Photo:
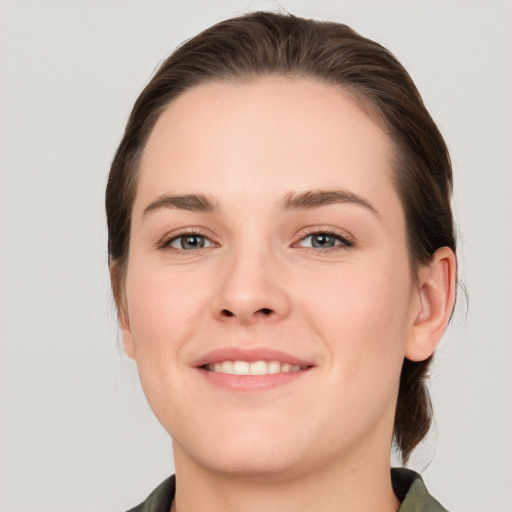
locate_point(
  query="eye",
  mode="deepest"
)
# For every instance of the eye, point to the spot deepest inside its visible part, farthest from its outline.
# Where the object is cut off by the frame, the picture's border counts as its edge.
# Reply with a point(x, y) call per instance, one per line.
point(324, 240)
point(189, 242)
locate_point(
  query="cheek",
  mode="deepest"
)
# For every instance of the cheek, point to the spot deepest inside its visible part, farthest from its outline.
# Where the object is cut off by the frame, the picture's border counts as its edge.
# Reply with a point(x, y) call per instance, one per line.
point(166, 311)
point(358, 314)
point(362, 314)
point(165, 307)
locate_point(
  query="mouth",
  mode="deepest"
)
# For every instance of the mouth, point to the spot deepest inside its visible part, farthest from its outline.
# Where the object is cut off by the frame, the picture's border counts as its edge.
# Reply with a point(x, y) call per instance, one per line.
point(253, 368)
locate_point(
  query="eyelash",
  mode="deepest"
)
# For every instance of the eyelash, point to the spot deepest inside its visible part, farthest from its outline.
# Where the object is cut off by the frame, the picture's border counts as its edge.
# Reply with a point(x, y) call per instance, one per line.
point(345, 242)
point(166, 242)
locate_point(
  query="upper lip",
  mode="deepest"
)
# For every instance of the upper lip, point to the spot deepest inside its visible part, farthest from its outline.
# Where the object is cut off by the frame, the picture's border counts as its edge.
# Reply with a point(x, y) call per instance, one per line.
point(250, 355)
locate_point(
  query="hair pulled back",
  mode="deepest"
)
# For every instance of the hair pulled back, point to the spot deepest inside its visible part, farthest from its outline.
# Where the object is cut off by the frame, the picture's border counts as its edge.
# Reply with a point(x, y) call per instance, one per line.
point(261, 44)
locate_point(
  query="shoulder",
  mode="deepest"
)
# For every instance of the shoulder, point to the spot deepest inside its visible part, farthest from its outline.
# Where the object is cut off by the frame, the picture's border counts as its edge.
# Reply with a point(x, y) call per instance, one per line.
point(412, 492)
point(160, 499)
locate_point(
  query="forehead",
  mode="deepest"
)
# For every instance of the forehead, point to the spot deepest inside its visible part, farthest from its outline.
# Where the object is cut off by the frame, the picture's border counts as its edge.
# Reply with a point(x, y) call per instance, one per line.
point(268, 136)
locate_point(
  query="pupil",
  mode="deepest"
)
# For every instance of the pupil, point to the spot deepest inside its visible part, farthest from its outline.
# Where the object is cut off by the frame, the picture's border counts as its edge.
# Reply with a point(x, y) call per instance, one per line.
point(323, 241)
point(192, 242)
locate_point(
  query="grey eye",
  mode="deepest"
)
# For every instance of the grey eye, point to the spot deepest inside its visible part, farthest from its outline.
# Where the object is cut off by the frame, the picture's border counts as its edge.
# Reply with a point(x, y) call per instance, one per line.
point(321, 241)
point(190, 242)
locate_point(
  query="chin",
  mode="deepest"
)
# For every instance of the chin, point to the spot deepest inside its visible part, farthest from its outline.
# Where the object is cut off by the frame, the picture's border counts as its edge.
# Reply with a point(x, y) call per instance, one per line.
point(245, 452)
point(251, 463)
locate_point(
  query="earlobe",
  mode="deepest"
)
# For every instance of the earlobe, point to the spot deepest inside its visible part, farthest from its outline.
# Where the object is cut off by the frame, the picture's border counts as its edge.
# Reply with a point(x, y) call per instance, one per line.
point(122, 314)
point(436, 294)
point(126, 333)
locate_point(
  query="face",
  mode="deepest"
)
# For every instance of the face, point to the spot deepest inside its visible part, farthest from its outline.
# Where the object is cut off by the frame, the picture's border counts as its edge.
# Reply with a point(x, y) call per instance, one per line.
point(269, 298)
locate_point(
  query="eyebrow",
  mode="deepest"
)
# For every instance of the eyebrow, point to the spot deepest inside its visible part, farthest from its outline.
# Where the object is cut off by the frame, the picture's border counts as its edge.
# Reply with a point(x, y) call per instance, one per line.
point(191, 202)
point(292, 201)
point(318, 198)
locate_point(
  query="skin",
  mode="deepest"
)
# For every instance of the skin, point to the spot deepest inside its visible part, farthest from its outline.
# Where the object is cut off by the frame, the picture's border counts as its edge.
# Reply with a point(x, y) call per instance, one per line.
point(353, 311)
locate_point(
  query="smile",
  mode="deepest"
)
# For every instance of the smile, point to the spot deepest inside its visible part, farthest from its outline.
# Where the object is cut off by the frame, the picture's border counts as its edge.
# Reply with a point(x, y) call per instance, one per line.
point(252, 368)
point(255, 369)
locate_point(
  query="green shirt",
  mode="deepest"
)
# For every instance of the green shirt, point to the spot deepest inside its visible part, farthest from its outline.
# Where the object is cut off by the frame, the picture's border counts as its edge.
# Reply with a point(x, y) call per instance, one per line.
point(408, 486)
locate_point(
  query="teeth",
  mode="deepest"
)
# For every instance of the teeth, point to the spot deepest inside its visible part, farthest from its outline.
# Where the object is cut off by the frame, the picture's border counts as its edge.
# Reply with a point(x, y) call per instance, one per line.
point(274, 367)
point(255, 368)
point(258, 368)
point(240, 368)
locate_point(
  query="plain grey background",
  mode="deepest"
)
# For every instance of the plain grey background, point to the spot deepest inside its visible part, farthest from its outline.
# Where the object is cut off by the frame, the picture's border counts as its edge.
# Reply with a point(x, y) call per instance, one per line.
point(76, 433)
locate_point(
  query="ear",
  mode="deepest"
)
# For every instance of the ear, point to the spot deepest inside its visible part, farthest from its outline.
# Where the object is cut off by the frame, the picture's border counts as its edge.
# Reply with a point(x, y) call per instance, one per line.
point(436, 298)
point(126, 333)
point(122, 310)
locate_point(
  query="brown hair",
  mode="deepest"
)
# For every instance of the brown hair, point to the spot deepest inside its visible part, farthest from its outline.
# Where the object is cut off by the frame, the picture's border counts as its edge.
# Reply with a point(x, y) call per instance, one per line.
point(263, 43)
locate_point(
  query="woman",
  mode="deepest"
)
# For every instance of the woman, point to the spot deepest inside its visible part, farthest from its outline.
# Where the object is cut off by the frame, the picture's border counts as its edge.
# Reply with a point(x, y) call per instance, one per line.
point(282, 256)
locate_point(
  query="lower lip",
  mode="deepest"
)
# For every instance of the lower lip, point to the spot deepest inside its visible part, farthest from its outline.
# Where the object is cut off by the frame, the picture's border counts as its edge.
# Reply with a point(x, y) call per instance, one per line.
point(252, 382)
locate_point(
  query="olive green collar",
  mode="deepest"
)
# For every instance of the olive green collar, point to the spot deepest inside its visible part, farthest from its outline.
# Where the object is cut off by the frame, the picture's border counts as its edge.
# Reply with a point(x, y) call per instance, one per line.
point(411, 491)
point(407, 485)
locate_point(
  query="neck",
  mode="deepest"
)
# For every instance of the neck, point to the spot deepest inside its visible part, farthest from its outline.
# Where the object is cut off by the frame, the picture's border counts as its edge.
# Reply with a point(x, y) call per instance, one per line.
point(355, 485)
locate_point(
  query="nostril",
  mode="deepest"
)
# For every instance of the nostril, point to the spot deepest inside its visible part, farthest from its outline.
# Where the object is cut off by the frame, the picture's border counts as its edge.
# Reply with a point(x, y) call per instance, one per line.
point(262, 311)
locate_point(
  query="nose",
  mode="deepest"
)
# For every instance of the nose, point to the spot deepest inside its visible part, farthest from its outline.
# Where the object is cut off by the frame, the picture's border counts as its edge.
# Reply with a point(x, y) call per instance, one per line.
point(251, 289)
